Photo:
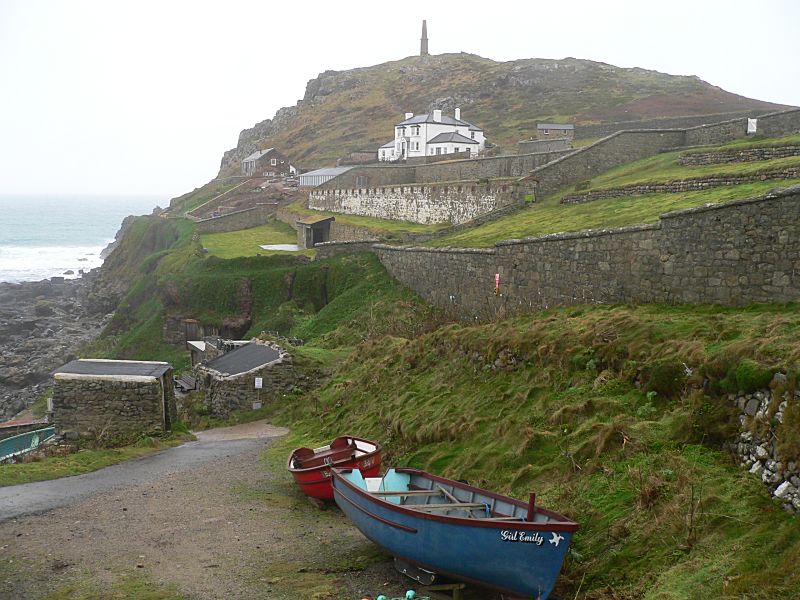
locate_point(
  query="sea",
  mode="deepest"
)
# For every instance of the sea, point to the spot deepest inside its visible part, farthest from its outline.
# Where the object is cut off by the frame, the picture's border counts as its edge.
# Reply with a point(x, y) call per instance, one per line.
point(46, 236)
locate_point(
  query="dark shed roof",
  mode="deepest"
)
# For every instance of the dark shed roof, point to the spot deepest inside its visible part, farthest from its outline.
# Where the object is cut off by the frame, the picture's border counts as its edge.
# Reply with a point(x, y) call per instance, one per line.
point(244, 359)
point(118, 368)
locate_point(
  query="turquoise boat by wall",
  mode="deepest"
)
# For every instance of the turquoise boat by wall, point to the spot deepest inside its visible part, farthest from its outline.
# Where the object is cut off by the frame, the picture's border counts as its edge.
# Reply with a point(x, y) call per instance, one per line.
point(459, 531)
point(24, 442)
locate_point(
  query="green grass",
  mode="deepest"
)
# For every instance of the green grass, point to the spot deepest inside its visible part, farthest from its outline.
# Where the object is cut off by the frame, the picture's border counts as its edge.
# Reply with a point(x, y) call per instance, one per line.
point(248, 242)
point(551, 217)
point(83, 461)
point(547, 403)
point(188, 202)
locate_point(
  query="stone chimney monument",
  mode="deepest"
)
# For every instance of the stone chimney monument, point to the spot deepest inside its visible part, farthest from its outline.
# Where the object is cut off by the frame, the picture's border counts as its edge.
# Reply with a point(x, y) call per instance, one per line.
point(423, 42)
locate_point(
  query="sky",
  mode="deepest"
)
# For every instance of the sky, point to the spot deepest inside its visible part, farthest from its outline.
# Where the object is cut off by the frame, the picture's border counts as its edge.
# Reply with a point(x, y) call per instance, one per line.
point(114, 97)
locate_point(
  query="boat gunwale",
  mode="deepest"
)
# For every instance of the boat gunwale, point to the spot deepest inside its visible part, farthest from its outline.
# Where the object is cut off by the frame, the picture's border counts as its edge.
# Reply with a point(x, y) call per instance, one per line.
point(303, 470)
point(562, 523)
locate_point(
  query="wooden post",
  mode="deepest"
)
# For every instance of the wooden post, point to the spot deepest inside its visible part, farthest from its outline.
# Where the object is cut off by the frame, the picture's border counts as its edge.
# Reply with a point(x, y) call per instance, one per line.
point(531, 507)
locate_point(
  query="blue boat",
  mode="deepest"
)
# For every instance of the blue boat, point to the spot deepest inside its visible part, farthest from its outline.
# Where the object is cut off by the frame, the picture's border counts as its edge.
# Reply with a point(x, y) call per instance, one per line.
point(456, 530)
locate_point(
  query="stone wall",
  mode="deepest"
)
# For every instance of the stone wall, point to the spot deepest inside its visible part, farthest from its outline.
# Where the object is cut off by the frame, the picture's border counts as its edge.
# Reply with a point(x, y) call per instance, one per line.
point(732, 254)
point(737, 156)
point(240, 219)
point(109, 407)
point(338, 231)
point(331, 249)
point(762, 415)
point(531, 146)
point(224, 394)
point(517, 165)
point(685, 122)
point(683, 185)
point(456, 203)
point(786, 122)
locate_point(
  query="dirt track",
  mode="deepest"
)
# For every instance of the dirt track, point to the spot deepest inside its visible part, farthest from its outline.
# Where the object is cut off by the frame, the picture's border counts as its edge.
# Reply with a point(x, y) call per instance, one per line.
point(209, 518)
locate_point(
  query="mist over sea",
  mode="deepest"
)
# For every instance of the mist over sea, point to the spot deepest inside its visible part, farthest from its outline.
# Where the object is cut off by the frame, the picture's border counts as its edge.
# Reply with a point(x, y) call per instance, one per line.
point(44, 236)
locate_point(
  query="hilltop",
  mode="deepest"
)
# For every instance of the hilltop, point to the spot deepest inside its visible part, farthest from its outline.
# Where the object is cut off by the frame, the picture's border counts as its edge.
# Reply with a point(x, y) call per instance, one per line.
point(344, 111)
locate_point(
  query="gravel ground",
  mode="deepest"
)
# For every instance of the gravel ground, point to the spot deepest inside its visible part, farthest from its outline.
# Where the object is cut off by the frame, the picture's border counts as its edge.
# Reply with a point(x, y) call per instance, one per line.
point(229, 527)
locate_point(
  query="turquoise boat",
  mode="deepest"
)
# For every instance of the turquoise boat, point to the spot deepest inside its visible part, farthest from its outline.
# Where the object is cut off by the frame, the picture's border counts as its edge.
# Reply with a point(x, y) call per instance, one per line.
point(459, 531)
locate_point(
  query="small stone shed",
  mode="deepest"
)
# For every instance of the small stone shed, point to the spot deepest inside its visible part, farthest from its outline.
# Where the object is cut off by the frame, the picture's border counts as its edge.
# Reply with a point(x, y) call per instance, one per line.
point(555, 130)
point(111, 398)
point(313, 230)
point(229, 381)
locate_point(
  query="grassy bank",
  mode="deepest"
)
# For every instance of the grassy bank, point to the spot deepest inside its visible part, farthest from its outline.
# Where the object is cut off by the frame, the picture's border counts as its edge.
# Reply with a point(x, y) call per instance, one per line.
point(601, 411)
point(248, 242)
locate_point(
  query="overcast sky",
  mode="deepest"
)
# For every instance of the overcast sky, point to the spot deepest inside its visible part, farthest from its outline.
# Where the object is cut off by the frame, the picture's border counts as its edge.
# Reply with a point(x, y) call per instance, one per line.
point(115, 97)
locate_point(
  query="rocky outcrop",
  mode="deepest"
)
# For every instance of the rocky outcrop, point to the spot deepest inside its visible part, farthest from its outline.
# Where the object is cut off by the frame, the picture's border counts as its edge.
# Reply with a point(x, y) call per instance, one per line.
point(42, 326)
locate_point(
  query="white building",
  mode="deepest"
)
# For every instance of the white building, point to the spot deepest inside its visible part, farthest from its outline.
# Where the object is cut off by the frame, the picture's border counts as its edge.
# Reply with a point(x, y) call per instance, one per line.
point(432, 134)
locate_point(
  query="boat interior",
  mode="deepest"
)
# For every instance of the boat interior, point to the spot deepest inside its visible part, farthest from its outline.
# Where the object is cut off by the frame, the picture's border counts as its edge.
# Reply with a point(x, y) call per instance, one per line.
point(417, 492)
point(342, 449)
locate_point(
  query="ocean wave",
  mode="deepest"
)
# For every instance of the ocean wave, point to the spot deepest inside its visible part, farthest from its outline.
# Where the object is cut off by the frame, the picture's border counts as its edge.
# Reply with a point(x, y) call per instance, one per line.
point(33, 263)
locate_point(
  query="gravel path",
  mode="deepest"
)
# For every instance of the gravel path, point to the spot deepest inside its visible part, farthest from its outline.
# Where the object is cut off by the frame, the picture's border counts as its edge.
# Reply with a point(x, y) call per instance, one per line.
point(209, 518)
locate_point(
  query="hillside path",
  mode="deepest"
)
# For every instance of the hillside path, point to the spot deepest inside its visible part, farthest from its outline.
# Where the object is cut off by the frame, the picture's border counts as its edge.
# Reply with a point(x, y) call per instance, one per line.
point(209, 519)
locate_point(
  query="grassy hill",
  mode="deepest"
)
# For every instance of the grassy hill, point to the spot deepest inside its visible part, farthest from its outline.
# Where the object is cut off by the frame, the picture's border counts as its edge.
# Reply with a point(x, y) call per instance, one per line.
point(343, 111)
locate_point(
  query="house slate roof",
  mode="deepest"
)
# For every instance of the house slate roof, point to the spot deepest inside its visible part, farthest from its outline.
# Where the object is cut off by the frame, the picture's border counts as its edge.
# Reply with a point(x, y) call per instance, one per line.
point(446, 120)
point(389, 144)
point(117, 368)
point(257, 154)
point(451, 136)
point(244, 359)
point(555, 126)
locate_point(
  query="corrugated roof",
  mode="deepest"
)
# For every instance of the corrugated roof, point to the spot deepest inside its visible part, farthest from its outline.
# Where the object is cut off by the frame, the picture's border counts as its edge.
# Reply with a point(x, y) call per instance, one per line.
point(258, 154)
point(452, 136)
point(244, 359)
point(333, 171)
point(555, 126)
point(117, 368)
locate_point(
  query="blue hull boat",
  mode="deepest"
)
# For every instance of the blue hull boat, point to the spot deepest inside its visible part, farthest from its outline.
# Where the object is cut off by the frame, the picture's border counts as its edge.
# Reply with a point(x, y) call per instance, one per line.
point(454, 529)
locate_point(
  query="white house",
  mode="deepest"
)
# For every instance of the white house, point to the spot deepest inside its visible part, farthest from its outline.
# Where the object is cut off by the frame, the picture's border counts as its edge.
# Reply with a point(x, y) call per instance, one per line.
point(431, 134)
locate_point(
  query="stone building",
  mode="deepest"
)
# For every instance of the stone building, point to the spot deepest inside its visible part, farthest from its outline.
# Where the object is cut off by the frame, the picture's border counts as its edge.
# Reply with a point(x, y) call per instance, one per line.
point(267, 163)
point(107, 399)
point(545, 131)
point(245, 378)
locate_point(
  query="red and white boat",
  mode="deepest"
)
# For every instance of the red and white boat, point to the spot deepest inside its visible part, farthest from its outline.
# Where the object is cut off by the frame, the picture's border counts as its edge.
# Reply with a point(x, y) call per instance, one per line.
point(311, 469)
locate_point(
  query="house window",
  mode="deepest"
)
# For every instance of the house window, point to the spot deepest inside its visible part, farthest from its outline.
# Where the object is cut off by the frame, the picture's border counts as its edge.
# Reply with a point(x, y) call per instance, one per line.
point(472, 134)
point(546, 131)
point(457, 150)
point(438, 151)
point(273, 161)
point(415, 130)
point(362, 181)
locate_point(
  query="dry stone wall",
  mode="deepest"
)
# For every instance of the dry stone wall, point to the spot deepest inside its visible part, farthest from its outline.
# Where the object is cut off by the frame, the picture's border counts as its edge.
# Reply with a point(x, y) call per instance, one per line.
point(684, 185)
point(241, 219)
point(736, 156)
point(732, 254)
point(762, 416)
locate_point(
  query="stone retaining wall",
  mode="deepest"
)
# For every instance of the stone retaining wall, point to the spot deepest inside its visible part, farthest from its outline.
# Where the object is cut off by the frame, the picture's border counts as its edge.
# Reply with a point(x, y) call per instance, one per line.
point(736, 156)
point(241, 219)
point(331, 249)
point(453, 203)
point(684, 185)
point(731, 254)
point(761, 416)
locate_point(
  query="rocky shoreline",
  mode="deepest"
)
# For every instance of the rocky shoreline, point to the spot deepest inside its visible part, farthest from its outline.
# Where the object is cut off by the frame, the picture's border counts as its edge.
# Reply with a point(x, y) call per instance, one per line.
point(43, 324)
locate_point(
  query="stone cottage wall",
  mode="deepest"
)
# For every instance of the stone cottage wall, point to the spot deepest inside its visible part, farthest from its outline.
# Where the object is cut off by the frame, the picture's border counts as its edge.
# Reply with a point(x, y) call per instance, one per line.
point(225, 394)
point(95, 407)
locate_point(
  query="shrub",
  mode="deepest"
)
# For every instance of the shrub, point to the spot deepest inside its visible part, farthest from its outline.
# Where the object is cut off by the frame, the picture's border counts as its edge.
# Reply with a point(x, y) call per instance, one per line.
point(751, 376)
point(712, 420)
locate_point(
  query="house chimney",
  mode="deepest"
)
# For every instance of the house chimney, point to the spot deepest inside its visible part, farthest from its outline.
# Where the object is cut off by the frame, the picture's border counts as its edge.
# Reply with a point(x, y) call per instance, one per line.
point(409, 115)
point(437, 116)
point(458, 114)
